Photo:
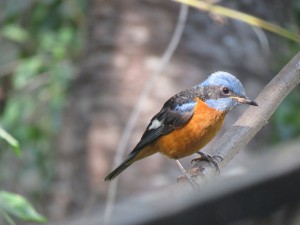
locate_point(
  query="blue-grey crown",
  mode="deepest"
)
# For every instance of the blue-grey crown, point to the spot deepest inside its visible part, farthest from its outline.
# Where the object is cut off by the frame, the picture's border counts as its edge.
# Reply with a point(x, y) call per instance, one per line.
point(222, 78)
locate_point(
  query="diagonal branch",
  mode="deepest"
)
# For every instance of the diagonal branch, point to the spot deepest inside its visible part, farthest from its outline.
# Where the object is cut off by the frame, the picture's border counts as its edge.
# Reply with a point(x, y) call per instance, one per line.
point(255, 118)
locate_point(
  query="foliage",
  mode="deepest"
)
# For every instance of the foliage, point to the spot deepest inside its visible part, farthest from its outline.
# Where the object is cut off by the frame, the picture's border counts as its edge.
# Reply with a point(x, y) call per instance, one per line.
point(41, 41)
point(19, 207)
point(286, 120)
point(10, 140)
point(13, 204)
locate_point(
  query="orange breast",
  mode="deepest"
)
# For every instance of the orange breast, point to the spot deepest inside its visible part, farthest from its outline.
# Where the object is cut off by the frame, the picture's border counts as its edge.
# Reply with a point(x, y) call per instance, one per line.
point(202, 127)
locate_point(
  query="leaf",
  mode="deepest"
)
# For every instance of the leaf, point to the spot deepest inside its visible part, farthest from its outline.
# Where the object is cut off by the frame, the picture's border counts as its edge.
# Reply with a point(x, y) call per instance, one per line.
point(18, 206)
point(252, 20)
point(11, 140)
point(15, 33)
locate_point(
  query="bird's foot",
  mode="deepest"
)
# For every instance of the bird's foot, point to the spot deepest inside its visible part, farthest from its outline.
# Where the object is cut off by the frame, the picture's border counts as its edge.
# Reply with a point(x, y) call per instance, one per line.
point(214, 160)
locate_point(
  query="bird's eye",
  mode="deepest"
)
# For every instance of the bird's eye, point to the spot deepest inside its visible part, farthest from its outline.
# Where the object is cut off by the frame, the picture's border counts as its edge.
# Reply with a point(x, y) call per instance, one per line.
point(225, 90)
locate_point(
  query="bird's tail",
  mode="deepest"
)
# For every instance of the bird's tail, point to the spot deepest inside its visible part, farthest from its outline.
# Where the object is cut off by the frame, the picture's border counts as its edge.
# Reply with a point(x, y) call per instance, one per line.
point(120, 168)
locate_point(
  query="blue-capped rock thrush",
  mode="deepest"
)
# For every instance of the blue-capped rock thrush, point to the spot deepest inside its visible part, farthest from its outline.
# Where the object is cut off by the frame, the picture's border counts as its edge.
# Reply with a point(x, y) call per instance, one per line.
point(188, 120)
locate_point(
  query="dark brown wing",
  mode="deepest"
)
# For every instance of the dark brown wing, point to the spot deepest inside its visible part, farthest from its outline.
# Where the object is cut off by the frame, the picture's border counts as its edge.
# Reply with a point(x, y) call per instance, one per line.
point(168, 119)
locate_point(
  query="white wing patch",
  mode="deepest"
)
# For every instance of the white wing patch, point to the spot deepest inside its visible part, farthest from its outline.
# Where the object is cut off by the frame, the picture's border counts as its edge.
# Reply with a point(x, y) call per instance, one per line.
point(155, 124)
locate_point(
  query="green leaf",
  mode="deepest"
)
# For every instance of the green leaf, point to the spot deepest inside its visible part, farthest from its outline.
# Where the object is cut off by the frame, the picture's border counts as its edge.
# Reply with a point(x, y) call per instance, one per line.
point(11, 140)
point(15, 33)
point(18, 206)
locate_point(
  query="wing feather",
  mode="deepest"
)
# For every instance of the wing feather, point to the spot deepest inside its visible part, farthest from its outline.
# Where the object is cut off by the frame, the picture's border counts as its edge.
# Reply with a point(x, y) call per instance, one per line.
point(171, 118)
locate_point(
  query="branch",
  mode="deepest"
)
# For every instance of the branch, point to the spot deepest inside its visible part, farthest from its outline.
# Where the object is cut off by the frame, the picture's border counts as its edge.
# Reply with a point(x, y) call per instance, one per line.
point(255, 118)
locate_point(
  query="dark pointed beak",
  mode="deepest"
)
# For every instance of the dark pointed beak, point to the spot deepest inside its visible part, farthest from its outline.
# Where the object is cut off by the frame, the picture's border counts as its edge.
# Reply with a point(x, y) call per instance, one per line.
point(245, 100)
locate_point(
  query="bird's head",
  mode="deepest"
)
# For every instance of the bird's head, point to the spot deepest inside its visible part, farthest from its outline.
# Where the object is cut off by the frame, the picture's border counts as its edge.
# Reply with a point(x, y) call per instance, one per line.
point(224, 91)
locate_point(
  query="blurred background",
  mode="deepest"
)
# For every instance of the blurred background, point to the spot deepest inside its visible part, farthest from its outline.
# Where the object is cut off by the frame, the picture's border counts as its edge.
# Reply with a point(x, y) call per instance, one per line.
point(72, 71)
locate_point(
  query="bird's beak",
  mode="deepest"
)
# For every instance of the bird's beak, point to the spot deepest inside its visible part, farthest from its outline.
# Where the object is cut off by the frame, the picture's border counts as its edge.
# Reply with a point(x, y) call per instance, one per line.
point(245, 100)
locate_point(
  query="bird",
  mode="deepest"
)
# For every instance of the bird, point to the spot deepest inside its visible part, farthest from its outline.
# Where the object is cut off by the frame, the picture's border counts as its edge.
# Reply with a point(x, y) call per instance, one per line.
point(188, 120)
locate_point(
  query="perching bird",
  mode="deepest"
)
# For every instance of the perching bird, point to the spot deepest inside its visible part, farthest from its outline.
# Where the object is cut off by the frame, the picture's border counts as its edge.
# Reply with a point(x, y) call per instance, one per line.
point(188, 120)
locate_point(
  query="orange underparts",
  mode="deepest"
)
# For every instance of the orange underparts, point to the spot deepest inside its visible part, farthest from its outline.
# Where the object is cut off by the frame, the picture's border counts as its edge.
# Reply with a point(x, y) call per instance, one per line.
point(184, 141)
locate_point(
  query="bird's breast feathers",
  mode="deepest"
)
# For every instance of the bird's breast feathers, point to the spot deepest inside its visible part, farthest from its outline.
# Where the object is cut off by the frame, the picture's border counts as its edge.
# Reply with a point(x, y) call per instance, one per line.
point(195, 134)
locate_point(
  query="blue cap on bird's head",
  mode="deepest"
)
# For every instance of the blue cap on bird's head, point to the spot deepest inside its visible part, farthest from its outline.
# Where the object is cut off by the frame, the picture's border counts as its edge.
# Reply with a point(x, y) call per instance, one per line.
point(227, 91)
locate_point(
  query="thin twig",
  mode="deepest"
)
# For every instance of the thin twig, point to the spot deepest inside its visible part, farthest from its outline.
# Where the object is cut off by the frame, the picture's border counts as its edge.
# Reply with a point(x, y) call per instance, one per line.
point(167, 55)
point(255, 118)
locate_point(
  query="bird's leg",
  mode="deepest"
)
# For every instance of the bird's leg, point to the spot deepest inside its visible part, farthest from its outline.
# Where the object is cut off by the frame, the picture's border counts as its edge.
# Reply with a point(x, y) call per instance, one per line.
point(187, 175)
point(211, 159)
